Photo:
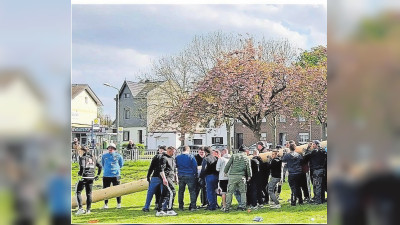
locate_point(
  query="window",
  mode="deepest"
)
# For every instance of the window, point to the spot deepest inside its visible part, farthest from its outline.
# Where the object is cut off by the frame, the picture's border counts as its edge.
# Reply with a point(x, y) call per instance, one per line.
point(126, 135)
point(239, 140)
point(264, 135)
point(302, 119)
point(282, 118)
point(197, 141)
point(217, 140)
point(127, 95)
point(140, 133)
point(303, 138)
point(127, 114)
point(86, 100)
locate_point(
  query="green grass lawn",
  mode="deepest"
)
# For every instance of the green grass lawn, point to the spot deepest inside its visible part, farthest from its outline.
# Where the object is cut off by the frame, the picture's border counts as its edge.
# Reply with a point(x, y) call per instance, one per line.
point(133, 203)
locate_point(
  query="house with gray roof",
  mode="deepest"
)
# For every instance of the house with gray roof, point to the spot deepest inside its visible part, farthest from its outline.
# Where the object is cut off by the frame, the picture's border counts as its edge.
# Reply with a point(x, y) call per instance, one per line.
point(133, 109)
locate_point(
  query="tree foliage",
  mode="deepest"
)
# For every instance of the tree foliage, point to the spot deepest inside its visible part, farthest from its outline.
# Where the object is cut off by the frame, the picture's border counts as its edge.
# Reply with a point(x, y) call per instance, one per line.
point(242, 86)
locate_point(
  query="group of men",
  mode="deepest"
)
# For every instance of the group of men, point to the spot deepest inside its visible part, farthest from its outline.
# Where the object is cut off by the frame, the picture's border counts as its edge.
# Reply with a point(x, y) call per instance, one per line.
point(253, 181)
point(211, 172)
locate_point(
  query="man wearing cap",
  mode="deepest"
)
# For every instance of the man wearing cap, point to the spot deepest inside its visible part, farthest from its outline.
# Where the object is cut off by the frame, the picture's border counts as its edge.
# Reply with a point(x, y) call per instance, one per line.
point(112, 163)
point(155, 182)
point(239, 169)
point(87, 167)
point(317, 159)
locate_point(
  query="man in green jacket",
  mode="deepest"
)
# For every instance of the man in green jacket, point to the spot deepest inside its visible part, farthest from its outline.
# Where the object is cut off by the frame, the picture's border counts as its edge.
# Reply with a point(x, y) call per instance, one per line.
point(239, 170)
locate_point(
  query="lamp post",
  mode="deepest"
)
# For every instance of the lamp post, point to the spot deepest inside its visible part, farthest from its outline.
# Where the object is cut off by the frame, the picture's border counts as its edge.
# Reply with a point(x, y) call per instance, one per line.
point(109, 85)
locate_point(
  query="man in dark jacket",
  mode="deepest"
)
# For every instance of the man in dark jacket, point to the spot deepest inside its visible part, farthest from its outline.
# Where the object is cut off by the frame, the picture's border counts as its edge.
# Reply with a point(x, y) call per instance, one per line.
point(187, 174)
point(169, 177)
point(210, 174)
point(155, 182)
point(294, 160)
point(201, 184)
point(263, 176)
point(317, 159)
point(276, 171)
point(252, 185)
point(87, 168)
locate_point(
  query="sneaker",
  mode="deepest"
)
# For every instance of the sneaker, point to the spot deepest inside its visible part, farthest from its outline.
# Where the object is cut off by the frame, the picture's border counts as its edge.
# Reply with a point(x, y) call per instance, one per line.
point(105, 206)
point(240, 209)
point(145, 210)
point(260, 206)
point(88, 211)
point(118, 206)
point(278, 206)
point(253, 208)
point(80, 211)
point(193, 209)
point(226, 210)
point(171, 213)
point(161, 213)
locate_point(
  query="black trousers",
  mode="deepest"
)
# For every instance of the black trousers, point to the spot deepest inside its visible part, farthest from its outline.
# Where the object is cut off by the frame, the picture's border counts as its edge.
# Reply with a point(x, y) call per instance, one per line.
point(303, 185)
point(201, 186)
point(107, 181)
point(167, 195)
point(88, 185)
point(294, 183)
point(260, 193)
point(318, 177)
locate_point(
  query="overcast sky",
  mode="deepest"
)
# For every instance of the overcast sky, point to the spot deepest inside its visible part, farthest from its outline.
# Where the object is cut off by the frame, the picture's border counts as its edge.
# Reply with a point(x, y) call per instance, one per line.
point(111, 43)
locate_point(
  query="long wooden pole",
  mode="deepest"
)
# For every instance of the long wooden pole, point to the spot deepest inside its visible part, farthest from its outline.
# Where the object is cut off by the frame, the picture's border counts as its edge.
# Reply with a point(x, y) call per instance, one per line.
point(112, 192)
point(299, 149)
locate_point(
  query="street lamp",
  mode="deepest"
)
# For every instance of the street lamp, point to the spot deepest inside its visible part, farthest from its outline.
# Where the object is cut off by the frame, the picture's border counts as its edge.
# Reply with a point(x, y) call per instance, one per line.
point(109, 85)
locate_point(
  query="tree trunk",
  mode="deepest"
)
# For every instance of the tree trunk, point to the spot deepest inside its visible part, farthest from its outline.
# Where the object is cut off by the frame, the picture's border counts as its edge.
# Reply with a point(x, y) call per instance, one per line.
point(323, 130)
point(257, 134)
point(228, 134)
point(274, 132)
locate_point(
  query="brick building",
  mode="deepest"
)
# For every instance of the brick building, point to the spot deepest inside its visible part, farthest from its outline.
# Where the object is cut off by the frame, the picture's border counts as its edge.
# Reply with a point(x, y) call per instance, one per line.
point(287, 128)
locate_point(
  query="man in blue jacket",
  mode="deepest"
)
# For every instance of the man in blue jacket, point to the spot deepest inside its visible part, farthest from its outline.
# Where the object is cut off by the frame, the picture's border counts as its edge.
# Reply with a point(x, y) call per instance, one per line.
point(187, 175)
point(112, 163)
point(294, 162)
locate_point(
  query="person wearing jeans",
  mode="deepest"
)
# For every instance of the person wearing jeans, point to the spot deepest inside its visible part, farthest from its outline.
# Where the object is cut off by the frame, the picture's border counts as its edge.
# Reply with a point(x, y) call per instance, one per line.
point(210, 173)
point(187, 174)
point(155, 183)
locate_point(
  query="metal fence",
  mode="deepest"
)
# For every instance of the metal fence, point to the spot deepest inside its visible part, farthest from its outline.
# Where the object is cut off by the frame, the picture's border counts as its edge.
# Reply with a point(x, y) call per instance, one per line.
point(132, 154)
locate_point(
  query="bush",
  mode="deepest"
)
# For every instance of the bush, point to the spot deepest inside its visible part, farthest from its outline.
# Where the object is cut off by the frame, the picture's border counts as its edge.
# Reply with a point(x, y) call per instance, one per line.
point(140, 148)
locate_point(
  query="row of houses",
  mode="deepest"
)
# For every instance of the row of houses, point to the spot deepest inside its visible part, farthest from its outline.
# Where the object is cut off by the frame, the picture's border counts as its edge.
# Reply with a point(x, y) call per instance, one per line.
point(137, 113)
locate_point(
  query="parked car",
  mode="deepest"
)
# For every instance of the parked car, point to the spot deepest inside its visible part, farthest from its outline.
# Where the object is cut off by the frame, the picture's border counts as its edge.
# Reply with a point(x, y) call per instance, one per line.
point(218, 146)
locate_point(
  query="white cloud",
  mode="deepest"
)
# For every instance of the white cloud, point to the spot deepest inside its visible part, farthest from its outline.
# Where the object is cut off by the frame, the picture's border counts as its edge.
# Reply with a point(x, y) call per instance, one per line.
point(243, 20)
point(104, 62)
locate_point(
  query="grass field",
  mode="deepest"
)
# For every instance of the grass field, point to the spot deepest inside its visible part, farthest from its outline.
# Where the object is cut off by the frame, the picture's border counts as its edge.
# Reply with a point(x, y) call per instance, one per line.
point(133, 203)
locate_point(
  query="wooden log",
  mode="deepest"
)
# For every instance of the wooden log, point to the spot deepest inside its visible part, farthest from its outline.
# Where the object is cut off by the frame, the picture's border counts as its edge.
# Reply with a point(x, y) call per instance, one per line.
point(112, 192)
point(299, 149)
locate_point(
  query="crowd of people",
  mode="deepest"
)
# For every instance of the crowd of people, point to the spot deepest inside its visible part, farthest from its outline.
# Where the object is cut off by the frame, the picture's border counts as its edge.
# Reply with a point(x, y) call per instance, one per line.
point(255, 183)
